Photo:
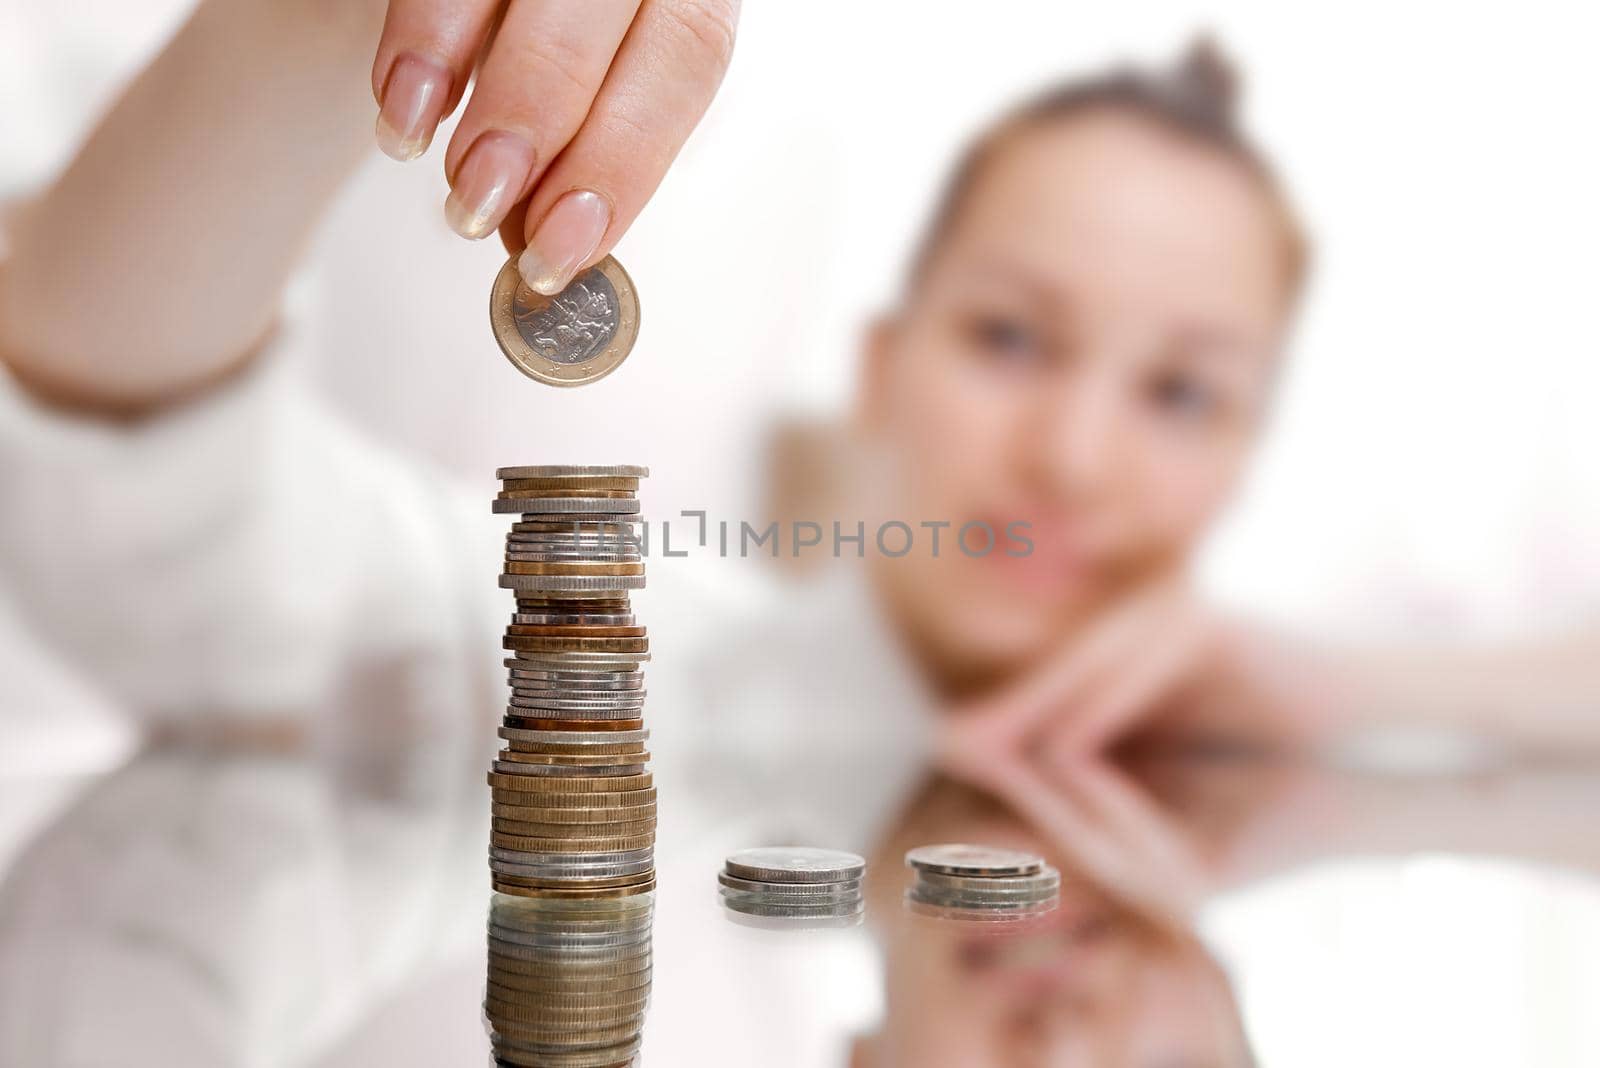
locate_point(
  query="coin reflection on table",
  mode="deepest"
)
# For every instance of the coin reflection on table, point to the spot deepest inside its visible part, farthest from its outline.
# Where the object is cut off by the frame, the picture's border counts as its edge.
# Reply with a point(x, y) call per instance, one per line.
point(568, 980)
point(980, 884)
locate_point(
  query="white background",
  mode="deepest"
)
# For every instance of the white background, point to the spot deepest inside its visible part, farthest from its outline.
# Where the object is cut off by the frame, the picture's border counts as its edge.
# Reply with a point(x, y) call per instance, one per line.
point(1434, 459)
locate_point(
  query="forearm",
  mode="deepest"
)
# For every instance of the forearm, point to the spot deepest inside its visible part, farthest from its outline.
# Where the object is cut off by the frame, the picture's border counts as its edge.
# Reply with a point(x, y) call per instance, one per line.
point(155, 263)
point(1541, 696)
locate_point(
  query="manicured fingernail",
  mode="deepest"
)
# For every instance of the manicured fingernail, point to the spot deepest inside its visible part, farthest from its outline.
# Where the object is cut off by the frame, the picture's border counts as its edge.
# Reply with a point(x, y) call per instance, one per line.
point(414, 100)
point(564, 241)
point(488, 182)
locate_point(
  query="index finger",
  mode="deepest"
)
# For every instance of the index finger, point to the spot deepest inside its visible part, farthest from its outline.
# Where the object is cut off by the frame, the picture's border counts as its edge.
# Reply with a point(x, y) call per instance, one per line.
point(663, 79)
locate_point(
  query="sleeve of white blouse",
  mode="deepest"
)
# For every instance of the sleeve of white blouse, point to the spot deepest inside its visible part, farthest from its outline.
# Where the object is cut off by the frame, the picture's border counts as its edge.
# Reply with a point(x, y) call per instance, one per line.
point(230, 557)
point(250, 564)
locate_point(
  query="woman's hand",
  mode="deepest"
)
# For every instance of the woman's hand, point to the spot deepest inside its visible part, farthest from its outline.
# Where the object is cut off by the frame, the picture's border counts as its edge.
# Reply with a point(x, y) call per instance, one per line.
point(579, 108)
point(1040, 747)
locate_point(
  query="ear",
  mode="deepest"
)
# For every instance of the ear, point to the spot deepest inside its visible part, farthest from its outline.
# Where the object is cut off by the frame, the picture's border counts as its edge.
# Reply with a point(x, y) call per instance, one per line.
point(878, 348)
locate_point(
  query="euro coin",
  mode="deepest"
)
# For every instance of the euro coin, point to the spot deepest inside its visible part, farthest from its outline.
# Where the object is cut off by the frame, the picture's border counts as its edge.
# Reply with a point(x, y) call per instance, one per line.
point(578, 336)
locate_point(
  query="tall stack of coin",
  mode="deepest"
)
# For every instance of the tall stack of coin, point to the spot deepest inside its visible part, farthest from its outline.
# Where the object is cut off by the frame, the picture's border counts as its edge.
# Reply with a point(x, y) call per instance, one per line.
point(974, 881)
point(793, 883)
point(574, 806)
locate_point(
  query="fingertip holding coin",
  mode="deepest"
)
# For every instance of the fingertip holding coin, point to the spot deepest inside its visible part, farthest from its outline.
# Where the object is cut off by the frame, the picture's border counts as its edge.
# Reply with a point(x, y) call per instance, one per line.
point(576, 337)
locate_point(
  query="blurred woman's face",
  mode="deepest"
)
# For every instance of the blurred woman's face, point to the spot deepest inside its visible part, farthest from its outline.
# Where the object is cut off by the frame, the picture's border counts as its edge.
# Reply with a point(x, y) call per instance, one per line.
point(1089, 351)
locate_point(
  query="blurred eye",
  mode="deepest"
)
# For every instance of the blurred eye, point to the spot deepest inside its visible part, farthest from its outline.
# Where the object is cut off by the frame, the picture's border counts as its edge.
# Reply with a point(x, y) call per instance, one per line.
point(1006, 337)
point(1185, 396)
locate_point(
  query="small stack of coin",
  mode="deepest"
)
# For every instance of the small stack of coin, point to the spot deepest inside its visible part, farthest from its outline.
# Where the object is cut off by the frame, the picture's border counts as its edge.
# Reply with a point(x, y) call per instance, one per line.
point(569, 980)
point(793, 882)
point(573, 801)
point(973, 880)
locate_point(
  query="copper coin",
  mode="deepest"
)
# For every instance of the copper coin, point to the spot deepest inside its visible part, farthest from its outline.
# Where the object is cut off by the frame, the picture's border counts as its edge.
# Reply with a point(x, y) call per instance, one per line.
point(522, 823)
point(572, 845)
point(585, 490)
point(513, 721)
point(576, 760)
point(502, 885)
point(605, 482)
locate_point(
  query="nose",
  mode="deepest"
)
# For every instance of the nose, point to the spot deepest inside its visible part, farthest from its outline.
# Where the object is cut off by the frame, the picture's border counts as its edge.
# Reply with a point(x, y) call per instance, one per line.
point(1076, 447)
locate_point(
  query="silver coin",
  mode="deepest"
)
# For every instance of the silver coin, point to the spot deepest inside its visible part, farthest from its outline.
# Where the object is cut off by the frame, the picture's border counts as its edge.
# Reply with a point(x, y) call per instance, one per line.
point(611, 698)
point(551, 619)
point(570, 860)
point(795, 864)
point(844, 888)
point(588, 506)
point(600, 869)
point(572, 556)
point(513, 734)
point(574, 873)
point(576, 540)
point(620, 526)
point(547, 703)
point(1047, 878)
point(522, 669)
point(583, 545)
point(570, 771)
point(536, 697)
point(571, 715)
point(571, 695)
point(573, 471)
point(521, 681)
point(962, 859)
point(569, 585)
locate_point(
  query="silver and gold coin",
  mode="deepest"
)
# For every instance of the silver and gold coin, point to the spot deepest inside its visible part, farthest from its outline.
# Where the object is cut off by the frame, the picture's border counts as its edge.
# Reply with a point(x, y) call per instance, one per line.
point(578, 336)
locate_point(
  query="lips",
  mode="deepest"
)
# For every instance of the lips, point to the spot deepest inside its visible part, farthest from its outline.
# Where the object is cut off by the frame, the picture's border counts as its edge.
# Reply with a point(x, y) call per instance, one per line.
point(1041, 560)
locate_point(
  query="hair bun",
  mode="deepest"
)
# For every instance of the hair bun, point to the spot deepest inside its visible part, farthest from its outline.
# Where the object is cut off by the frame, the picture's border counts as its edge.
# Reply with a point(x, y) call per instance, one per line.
point(1204, 85)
